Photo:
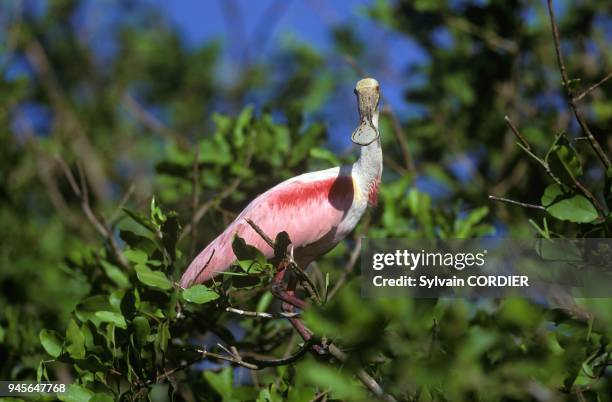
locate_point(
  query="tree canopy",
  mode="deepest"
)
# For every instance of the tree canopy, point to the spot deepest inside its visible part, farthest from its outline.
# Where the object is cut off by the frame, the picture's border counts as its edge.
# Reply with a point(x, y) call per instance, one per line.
point(117, 167)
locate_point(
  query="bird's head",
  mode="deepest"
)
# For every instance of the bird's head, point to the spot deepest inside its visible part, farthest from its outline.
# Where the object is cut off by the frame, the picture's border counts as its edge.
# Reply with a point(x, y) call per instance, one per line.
point(368, 95)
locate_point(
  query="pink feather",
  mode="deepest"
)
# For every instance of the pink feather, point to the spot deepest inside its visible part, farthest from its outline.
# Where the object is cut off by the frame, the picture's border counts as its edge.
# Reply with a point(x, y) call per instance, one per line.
point(310, 208)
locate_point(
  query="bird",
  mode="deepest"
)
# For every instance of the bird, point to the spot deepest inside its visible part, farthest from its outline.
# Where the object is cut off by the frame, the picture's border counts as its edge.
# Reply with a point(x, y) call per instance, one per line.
point(317, 209)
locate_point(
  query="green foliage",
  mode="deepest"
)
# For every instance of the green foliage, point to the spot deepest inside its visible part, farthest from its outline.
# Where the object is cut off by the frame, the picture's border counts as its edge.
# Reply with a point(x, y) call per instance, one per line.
point(108, 313)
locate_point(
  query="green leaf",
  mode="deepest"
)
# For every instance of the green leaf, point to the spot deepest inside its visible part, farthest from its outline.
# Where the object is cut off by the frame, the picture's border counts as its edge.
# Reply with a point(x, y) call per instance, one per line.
point(305, 143)
point(221, 382)
point(325, 155)
point(242, 122)
point(563, 160)
point(242, 250)
point(41, 372)
point(142, 330)
point(137, 241)
point(136, 256)
point(101, 398)
point(129, 303)
point(162, 337)
point(463, 227)
point(157, 215)
point(51, 341)
point(111, 316)
point(140, 219)
point(151, 278)
point(551, 193)
point(75, 393)
point(215, 150)
point(115, 274)
point(87, 308)
point(200, 294)
point(576, 209)
point(459, 85)
point(328, 377)
point(75, 340)
point(92, 363)
point(170, 231)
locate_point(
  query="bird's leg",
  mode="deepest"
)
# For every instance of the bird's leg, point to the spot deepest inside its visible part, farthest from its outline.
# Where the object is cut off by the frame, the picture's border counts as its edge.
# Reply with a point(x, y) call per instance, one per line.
point(289, 306)
point(289, 301)
point(278, 287)
point(299, 326)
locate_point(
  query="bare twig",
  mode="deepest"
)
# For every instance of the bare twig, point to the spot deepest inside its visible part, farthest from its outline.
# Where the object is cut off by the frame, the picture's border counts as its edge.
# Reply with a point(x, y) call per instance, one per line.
point(305, 281)
point(115, 216)
point(233, 357)
point(347, 269)
point(400, 136)
point(569, 92)
point(265, 26)
point(202, 355)
point(257, 314)
point(363, 376)
point(82, 192)
point(195, 183)
point(592, 87)
point(80, 143)
point(14, 31)
point(235, 27)
point(522, 204)
point(203, 209)
point(284, 360)
point(69, 176)
point(489, 37)
point(261, 233)
point(147, 119)
point(576, 183)
point(320, 396)
point(517, 133)
point(85, 203)
point(396, 167)
point(195, 277)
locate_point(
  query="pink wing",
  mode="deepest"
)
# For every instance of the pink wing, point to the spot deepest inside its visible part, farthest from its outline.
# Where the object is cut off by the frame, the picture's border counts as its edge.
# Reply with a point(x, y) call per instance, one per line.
point(308, 207)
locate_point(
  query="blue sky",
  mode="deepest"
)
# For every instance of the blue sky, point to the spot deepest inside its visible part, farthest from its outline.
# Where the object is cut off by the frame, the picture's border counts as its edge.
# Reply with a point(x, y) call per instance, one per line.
point(308, 21)
point(202, 21)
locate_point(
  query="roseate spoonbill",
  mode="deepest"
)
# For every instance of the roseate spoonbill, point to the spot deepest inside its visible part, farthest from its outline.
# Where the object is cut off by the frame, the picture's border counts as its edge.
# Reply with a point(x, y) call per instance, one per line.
point(316, 209)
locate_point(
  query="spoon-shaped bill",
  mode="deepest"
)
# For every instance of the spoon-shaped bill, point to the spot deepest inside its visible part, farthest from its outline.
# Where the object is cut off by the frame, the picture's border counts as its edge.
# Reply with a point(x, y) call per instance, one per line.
point(364, 134)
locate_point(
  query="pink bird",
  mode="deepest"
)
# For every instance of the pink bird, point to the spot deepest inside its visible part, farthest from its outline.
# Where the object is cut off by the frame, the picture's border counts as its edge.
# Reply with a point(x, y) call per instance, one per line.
point(316, 209)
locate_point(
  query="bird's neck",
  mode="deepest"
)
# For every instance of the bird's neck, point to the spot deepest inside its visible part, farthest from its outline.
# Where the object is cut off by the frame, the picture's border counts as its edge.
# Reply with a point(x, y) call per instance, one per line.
point(367, 169)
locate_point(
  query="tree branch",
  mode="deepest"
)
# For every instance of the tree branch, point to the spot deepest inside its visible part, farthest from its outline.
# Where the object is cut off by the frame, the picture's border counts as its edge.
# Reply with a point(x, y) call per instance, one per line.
point(517, 133)
point(522, 204)
point(347, 269)
point(592, 87)
point(82, 192)
point(233, 357)
point(289, 300)
point(205, 207)
point(141, 114)
point(195, 183)
point(257, 314)
point(569, 93)
point(80, 143)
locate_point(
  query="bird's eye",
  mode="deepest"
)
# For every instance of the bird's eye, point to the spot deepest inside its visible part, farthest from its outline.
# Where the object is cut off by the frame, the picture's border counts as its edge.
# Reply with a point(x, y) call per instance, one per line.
point(355, 91)
point(377, 88)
